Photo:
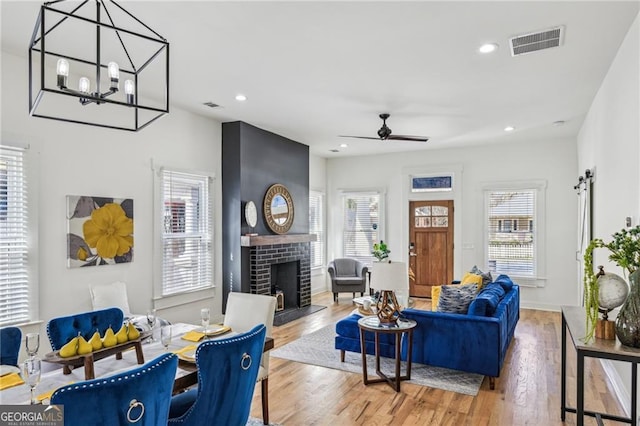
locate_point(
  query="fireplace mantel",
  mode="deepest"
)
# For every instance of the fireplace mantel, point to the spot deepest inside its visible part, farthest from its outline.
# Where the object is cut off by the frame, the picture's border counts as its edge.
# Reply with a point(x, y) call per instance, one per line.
point(267, 240)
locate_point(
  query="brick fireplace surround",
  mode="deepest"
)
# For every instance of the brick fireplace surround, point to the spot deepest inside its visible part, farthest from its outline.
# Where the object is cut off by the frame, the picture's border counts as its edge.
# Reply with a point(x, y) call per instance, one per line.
point(268, 250)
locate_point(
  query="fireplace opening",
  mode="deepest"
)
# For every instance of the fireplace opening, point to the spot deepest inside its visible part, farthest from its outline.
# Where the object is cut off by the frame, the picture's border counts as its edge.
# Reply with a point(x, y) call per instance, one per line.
point(285, 283)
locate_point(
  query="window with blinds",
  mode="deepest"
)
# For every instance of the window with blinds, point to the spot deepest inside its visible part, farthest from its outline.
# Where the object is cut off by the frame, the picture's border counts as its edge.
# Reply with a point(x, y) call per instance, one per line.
point(14, 276)
point(316, 226)
point(187, 237)
point(511, 232)
point(361, 225)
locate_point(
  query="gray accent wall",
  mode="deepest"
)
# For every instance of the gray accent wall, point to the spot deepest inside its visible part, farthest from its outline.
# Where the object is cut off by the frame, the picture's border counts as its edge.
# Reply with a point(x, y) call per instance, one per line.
point(252, 160)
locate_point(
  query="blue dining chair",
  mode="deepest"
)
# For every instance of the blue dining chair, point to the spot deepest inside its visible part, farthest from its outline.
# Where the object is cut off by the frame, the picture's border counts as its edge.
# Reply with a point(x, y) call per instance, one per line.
point(141, 396)
point(10, 340)
point(227, 373)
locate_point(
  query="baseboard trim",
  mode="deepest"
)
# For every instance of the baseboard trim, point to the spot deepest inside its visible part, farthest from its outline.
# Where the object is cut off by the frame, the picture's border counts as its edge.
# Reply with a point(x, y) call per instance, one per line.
point(619, 387)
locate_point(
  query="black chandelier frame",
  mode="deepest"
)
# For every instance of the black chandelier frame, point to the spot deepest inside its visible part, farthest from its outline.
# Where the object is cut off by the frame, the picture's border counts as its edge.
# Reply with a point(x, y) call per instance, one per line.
point(38, 47)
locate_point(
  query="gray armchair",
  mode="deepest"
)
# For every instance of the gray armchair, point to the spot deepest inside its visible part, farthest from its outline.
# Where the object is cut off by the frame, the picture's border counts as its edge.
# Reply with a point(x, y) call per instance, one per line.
point(347, 275)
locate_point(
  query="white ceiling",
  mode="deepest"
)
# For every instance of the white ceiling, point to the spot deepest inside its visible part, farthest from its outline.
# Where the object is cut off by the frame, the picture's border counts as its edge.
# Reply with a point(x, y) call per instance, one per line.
point(316, 70)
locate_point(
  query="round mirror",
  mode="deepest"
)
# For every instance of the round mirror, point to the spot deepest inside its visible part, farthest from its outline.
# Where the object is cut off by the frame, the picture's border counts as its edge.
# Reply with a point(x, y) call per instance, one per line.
point(278, 209)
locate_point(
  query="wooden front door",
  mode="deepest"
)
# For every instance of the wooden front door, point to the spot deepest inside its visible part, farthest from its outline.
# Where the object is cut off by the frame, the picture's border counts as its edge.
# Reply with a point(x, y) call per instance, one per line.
point(430, 245)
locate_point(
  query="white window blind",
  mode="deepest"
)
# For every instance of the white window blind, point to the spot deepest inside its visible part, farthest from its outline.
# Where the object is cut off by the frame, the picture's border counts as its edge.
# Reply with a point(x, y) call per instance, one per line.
point(361, 225)
point(316, 226)
point(14, 277)
point(187, 261)
point(511, 232)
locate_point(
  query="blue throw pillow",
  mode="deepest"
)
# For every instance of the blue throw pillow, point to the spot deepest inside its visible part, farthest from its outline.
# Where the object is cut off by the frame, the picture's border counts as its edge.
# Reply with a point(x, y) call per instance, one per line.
point(456, 298)
point(505, 282)
point(487, 300)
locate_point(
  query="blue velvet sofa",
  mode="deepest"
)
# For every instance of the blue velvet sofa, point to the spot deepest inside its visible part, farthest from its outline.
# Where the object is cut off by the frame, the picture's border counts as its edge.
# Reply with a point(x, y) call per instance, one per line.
point(475, 342)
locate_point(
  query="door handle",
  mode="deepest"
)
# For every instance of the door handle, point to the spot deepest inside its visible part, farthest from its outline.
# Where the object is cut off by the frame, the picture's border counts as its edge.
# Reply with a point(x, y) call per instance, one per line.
point(412, 254)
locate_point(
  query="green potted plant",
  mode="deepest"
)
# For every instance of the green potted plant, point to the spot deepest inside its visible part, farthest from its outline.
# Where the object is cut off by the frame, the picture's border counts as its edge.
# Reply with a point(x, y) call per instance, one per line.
point(625, 252)
point(380, 251)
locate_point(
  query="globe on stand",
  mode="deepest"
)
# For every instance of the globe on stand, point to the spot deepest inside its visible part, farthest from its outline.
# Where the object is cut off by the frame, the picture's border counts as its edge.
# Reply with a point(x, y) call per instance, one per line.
point(612, 292)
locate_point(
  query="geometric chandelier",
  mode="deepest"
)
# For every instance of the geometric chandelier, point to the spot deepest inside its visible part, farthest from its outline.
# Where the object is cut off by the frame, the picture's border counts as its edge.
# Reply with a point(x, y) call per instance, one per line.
point(97, 65)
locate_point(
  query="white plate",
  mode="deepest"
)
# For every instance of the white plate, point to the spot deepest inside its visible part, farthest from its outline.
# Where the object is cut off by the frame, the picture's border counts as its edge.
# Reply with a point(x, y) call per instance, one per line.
point(7, 369)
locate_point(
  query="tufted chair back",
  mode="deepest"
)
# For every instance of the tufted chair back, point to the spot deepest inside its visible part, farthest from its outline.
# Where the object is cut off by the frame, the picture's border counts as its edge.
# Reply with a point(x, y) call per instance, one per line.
point(227, 373)
point(62, 329)
point(140, 396)
point(10, 339)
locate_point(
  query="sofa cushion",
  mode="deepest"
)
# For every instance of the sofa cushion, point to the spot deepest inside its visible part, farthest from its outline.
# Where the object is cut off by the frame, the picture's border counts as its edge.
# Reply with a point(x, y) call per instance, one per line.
point(456, 298)
point(505, 282)
point(487, 300)
point(470, 278)
point(435, 293)
point(486, 276)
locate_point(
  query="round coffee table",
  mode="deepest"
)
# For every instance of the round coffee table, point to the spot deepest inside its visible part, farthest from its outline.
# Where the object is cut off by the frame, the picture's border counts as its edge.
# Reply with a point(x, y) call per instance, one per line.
point(401, 327)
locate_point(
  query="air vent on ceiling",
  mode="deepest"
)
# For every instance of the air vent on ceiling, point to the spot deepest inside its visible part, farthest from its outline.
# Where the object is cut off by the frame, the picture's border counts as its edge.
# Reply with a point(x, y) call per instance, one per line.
point(211, 104)
point(528, 43)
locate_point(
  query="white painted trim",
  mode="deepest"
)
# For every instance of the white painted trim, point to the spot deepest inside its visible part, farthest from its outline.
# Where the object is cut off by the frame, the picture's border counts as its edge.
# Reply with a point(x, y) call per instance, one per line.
point(456, 171)
point(165, 302)
point(619, 387)
point(540, 186)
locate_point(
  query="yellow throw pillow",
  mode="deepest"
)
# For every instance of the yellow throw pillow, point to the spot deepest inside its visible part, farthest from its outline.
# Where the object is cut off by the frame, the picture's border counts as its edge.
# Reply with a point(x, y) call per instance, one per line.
point(470, 278)
point(435, 292)
point(435, 296)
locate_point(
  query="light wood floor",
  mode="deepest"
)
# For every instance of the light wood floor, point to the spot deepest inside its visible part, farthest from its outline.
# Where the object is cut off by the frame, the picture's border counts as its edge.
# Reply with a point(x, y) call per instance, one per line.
point(527, 391)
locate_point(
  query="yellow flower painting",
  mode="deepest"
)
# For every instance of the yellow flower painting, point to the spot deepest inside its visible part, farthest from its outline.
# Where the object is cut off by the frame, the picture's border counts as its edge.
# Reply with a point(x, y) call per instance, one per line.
point(100, 231)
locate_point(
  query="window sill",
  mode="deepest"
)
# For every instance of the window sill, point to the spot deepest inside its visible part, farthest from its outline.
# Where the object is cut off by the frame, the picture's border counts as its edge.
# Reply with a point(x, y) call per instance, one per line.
point(177, 299)
point(25, 324)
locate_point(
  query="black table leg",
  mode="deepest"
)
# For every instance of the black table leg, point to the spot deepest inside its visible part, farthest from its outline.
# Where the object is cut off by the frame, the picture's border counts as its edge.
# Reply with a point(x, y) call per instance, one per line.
point(580, 390)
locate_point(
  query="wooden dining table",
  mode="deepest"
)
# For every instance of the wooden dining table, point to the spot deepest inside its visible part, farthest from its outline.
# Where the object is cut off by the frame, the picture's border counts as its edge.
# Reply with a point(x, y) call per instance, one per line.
point(186, 373)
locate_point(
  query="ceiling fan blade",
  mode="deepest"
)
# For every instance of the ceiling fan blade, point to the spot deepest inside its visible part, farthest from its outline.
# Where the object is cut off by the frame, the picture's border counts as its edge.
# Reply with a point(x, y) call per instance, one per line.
point(408, 138)
point(359, 137)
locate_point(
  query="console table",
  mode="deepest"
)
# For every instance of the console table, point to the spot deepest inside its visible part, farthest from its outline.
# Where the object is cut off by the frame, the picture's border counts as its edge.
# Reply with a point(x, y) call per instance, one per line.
point(574, 321)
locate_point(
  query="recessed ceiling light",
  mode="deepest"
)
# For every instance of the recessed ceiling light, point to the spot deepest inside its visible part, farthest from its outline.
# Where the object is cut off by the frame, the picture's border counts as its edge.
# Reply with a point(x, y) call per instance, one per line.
point(343, 145)
point(509, 129)
point(240, 97)
point(488, 47)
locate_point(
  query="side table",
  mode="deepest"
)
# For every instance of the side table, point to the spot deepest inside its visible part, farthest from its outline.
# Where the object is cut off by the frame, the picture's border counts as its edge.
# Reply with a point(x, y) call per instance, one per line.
point(372, 324)
point(573, 321)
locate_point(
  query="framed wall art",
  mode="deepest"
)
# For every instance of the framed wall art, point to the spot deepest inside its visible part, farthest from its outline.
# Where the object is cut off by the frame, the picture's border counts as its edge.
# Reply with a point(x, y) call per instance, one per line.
point(100, 231)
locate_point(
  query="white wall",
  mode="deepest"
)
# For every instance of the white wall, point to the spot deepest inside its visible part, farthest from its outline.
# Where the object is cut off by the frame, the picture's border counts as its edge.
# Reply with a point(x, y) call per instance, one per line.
point(553, 161)
point(85, 160)
point(318, 182)
point(609, 143)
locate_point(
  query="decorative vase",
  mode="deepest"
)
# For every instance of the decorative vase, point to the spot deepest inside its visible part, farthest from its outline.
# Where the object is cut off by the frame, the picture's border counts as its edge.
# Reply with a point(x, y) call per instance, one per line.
point(628, 321)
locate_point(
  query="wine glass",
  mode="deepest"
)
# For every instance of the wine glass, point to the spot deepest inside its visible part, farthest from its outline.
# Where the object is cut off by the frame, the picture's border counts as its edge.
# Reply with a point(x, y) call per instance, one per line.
point(204, 315)
point(31, 370)
point(151, 320)
point(32, 343)
point(165, 336)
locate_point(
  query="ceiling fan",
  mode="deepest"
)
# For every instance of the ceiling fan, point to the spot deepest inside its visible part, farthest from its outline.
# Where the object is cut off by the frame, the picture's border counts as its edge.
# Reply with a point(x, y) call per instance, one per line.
point(384, 133)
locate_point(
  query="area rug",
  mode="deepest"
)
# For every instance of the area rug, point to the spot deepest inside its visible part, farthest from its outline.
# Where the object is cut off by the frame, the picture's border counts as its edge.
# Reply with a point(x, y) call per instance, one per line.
point(258, 422)
point(317, 349)
point(281, 318)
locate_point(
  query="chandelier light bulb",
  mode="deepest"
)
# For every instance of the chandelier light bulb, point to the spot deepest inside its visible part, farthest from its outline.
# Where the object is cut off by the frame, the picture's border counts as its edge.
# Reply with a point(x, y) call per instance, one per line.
point(62, 69)
point(84, 85)
point(114, 70)
point(114, 74)
point(129, 89)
